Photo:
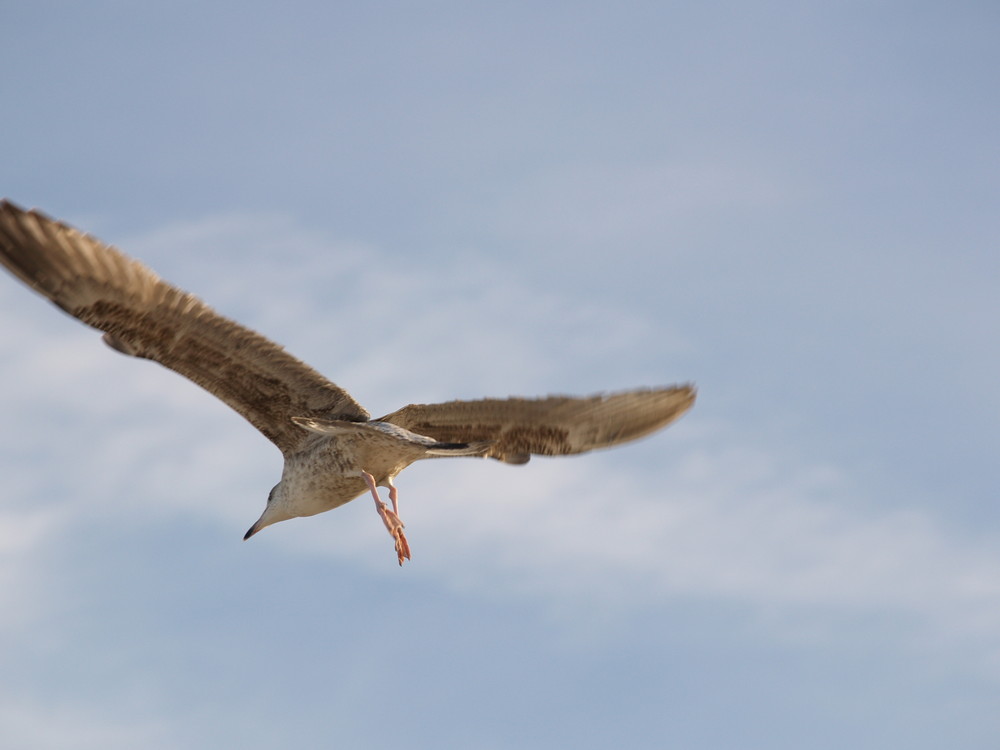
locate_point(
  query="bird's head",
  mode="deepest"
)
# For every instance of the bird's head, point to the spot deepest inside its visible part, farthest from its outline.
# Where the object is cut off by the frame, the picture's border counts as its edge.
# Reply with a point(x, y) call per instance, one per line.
point(275, 510)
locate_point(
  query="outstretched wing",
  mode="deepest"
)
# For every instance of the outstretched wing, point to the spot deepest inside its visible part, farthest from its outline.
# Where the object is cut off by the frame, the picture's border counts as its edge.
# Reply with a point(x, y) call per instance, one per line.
point(144, 316)
point(552, 426)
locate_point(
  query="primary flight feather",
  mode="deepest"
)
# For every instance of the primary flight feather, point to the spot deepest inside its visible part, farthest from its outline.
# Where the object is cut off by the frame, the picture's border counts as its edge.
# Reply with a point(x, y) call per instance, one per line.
point(333, 450)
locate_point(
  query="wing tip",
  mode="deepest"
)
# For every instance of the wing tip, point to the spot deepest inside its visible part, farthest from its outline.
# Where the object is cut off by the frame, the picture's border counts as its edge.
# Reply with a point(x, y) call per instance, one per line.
point(679, 398)
point(690, 391)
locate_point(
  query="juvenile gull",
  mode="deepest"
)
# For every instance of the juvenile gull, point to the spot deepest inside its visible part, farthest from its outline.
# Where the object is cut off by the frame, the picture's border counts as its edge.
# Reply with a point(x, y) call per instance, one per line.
point(333, 450)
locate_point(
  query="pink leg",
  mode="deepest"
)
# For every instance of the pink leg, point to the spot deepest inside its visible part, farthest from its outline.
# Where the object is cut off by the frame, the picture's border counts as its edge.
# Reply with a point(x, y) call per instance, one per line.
point(393, 496)
point(389, 517)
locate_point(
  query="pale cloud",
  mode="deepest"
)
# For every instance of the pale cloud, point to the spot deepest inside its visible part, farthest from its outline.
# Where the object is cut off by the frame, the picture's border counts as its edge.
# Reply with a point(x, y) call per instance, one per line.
point(25, 537)
point(789, 543)
point(719, 523)
point(50, 726)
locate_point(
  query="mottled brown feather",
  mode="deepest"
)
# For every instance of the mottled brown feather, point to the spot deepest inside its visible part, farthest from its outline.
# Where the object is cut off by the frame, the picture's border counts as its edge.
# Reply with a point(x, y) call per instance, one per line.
point(552, 426)
point(144, 316)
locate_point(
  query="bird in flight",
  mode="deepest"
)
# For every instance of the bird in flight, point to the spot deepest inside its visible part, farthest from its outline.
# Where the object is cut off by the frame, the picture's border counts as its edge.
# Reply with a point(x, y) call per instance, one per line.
point(333, 450)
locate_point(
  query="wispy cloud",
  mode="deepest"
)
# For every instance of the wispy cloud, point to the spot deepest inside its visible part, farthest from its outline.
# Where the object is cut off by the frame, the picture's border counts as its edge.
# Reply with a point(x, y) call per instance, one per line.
point(703, 512)
point(28, 724)
point(720, 522)
point(723, 516)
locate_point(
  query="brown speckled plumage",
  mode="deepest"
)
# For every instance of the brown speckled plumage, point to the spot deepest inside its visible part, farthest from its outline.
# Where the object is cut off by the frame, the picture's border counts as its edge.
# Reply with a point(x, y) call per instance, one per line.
point(333, 451)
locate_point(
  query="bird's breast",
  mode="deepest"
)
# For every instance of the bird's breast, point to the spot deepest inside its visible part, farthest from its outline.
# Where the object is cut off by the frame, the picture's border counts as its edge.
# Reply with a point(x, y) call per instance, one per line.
point(321, 477)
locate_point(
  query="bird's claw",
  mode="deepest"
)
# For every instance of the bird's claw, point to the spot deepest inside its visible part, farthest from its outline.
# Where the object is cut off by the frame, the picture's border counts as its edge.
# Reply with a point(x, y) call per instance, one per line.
point(402, 548)
point(395, 527)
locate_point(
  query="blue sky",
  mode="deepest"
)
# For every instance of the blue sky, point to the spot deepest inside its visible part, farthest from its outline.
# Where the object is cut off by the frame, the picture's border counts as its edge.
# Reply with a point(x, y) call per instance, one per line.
point(791, 204)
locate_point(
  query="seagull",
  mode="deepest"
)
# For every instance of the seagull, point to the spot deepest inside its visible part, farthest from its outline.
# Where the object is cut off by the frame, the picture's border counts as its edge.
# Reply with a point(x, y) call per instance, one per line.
point(333, 450)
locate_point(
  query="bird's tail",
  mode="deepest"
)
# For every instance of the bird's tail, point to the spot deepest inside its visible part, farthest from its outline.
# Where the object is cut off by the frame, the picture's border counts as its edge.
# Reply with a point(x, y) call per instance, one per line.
point(477, 448)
